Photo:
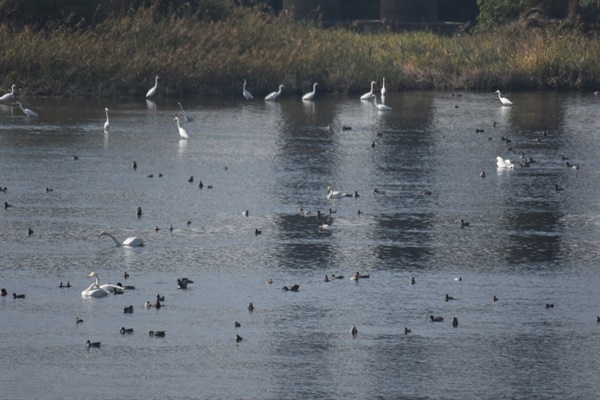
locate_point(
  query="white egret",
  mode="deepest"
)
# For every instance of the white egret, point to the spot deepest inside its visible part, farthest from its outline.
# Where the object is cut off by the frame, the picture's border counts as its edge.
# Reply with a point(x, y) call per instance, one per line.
point(9, 96)
point(368, 95)
point(132, 241)
point(186, 116)
point(152, 91)
point(504, 163)
point(27, 111)
point(182, 132)
point(95, 290)
point(107, 123)
point(383, 88)
point(309, 96)
point(273, 95)
point(504, 100)
point(380, 107)
point(246, 93)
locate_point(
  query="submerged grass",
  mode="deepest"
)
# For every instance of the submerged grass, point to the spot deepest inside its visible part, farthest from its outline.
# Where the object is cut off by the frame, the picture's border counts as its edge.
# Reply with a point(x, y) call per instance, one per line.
point(120, 57)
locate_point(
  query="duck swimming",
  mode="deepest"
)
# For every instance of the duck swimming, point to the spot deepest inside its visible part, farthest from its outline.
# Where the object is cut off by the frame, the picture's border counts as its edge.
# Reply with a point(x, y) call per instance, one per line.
point(124, 331)
point(157, 333)
point(92, 344)
point(436, 319)
point(128, 310)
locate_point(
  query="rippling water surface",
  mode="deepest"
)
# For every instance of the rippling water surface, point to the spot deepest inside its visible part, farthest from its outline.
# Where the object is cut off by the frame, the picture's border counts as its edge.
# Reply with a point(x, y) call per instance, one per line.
point(527, 244)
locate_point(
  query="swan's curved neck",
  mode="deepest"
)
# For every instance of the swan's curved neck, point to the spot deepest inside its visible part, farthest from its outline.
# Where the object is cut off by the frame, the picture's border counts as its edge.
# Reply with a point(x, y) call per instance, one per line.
point(116, 241)
point(97, 280)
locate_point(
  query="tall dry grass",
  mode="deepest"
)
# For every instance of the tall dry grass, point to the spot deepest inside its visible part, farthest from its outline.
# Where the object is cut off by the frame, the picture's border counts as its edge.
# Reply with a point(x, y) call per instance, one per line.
point(122, 56)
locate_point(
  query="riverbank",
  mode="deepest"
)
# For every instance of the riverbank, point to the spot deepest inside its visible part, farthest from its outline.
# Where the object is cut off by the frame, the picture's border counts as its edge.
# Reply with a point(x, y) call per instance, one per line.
point(120, 57)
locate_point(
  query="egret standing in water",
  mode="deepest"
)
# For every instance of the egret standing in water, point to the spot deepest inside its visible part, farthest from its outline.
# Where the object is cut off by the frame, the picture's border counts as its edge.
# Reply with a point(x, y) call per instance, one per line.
point(182, 132)
point(368, 95)
point(107, 123)
point(27, 111)
point(383, 91)
point(274, 95)
point(246, 93)
point(309, 96)
point(380, 107)
point(186, 116)
point(152, 91)
point(9, 96)
point(504, 100)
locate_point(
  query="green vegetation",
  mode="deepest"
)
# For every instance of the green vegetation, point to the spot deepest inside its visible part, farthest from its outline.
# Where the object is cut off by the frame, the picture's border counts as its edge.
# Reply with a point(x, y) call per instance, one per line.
point(195, 52)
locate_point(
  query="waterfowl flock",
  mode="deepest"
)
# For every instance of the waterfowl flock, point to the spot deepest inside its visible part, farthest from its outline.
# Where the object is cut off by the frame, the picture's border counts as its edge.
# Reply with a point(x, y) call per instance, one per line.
point(98, 290)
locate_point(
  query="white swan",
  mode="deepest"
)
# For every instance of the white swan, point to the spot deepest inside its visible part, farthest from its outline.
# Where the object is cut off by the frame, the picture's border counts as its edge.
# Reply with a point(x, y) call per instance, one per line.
point(9, 96)
point(380, 107)
point(504, 163)
point(152, 90)
point(132, 241)
point(504, 100)
point(95, 290)
point(107, 123)
point(182, 132)
point(273, 95)
point(27, 111)
point(383, 88)
point(246, 93)
point(367, 96)
point(309, 96)
point(186, 116)
point(337, 195)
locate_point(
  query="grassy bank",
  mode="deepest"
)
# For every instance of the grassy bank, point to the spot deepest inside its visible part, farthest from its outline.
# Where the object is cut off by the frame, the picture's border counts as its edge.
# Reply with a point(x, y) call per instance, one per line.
point(120, 57)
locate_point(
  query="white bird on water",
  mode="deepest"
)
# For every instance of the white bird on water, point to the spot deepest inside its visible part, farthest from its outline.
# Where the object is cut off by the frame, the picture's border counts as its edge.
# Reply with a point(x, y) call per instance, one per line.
point(246, 93)
point(383, 88)
point(368, 95)
point(152, 91)
point(95, 290)
point(107, 123)
point(27, 111)
point(132, 241)
point(380, 107)
point(504, 100)
point(9, 96)
point(504, 163)
point(186, 116)
point(182, 132)
point(273, 95)
point(309, 96)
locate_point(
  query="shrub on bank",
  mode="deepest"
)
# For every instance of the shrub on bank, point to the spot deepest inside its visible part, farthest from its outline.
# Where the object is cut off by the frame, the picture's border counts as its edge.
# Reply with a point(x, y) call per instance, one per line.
point(121, 56)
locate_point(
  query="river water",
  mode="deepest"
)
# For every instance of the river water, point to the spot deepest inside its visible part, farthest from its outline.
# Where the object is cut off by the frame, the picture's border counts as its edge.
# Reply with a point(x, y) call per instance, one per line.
point(527, 244)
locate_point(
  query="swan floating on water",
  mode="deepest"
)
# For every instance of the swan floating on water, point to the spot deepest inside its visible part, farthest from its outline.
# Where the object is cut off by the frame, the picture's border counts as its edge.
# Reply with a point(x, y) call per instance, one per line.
point(504, 163)
point(95, 290)
point(132, 241)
